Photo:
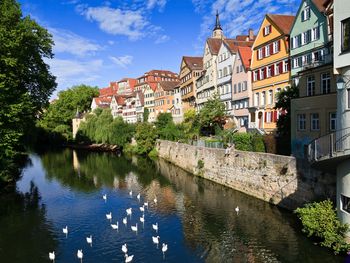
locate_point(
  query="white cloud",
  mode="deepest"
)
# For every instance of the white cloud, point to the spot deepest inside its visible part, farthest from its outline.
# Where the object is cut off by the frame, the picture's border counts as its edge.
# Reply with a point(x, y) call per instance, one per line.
point(162, 39)
point(74, 72)
point(122, 61)
point(154, 3)
point(111, 42)
point(69, 42)
point(118, 22)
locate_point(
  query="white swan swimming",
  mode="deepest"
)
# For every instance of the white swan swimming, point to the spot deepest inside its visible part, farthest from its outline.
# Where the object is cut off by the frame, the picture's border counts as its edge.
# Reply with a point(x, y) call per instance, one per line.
point(115, 226)
point(80, 254)
point(65, 231)
point(52, 256)
point(128, 258)
point(109, 216)
point(155, 227)
point(124, 248)
point(134, 228)
point(155, 240)
point(89, 240)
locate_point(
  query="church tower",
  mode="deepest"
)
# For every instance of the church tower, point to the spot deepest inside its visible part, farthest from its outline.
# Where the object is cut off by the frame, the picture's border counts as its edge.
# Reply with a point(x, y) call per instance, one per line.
point(217, 31)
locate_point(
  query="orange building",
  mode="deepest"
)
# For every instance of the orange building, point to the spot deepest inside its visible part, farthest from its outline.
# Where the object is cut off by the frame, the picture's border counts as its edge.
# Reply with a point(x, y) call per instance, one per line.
point(271, 69)
point(164, 96)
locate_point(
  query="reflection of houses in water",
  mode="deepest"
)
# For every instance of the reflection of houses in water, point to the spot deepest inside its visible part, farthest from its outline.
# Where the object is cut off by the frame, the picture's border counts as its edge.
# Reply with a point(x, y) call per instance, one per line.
point(115, 182)
point(76, 163)
point(95, 178)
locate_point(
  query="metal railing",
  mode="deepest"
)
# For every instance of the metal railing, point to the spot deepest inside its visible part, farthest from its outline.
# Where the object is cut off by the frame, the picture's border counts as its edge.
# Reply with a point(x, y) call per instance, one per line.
point(329, 146)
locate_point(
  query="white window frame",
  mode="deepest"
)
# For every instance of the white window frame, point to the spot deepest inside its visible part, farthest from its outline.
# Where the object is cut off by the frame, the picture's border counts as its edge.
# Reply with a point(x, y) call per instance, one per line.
point(267, 50)
point(260, 54)
point(332, 121)
point(301, 122)
point(315, 122)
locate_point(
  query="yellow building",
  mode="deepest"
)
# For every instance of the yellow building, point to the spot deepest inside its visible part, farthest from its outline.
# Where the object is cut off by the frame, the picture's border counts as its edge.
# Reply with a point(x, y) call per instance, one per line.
point(271, 69)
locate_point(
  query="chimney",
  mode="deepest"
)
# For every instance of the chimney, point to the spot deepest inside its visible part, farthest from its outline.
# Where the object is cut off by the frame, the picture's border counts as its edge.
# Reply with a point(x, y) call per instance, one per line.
point(251, 34)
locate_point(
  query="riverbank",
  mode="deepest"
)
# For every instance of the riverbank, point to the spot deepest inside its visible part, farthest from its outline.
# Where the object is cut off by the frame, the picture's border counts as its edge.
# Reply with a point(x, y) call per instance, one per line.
point(281, 180)
point(95, 147)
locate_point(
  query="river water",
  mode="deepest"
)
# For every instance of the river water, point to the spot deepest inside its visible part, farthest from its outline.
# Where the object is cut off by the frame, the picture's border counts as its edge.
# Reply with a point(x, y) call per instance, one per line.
point(196, 218)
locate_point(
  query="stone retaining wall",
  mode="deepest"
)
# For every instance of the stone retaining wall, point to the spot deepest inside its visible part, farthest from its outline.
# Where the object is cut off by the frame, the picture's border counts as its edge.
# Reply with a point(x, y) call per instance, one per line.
point(277, 179)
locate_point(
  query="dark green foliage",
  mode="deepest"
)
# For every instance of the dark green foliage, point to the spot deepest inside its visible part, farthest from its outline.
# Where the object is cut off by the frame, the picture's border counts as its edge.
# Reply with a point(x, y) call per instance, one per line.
point(163, 120)
point(283, 102)
point(258, 143)
point(103, 126)
point(63, 110)
point(249, 142)
point(320, 221)
point(120, 132)
point(212, 116)
point(145, 136)
point(145, 114)
point(25, 80)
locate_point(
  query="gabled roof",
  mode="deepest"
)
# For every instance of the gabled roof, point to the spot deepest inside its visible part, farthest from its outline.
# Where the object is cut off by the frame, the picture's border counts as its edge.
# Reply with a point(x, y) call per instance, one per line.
point(246, 56)
point(106, 92)
point(283, 22)
point(153, 85)
point(320, 4)
point(169, 85)
point(214, 45)
point(158, 72)
point(194, 63)
point(119, 99)
point(233, 44)
point(102, 102)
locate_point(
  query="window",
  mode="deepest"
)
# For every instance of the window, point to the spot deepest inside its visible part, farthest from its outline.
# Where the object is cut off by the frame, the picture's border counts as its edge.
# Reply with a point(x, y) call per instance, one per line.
point(245, 86)
point(239, 87)
point(315, 35)
point(333, 121)
point(268, 117)
point(310, 85)
point(255, 76)
point(275, 48)
point(301, 122)
point(345, 35)
point(237, 69)
point(285, 66)
point(263, 97)
point(241, 68)
point(345, 203)
point(230, 69)
point(262, 73)
point(325, 83)
point(270, 98)
point(256, 101)
point(268, 72)
point(277, 69)
point(225, 71)
point(315, 122)
point(267, 50)
point(305, 15)
point(267, 30)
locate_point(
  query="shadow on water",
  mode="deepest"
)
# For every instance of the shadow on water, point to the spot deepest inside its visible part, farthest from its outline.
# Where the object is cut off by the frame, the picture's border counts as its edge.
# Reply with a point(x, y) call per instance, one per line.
point(25, 234)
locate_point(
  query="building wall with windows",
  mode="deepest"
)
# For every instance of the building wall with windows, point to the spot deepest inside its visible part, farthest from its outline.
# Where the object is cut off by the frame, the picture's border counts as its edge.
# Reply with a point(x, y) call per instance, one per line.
point(309, 37)
point(242, 87)
point(314, 113)
point(225, 62)
point(270, 68)
point(176, 109)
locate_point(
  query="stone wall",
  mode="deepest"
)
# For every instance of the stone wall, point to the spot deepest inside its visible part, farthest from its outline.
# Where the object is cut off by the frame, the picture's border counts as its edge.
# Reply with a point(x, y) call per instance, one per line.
point(281, 180)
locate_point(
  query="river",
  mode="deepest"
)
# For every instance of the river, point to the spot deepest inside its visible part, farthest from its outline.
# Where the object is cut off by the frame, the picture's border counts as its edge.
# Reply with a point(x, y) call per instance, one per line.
point(196, 218)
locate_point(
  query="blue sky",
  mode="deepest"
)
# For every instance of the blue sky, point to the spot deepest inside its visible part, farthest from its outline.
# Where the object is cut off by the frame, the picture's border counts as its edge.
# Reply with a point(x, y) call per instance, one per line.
point(101, 41)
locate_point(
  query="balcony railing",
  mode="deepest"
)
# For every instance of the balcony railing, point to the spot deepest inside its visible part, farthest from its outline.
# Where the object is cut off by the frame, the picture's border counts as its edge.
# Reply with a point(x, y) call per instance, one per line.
point(318, 62)
point(329, 146)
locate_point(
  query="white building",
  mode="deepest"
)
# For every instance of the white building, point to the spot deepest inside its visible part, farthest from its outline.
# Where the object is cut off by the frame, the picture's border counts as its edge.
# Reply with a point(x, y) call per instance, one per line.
point(117, 106)
point(176, 109)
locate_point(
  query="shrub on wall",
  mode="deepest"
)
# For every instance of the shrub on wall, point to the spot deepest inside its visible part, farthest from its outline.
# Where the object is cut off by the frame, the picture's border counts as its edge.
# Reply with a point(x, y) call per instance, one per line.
point(242, 141)
point(258, 143)
point(320, 221)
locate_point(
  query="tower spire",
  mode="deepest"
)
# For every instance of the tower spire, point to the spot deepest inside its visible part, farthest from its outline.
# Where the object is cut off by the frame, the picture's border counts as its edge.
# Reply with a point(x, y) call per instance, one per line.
point(217, 23)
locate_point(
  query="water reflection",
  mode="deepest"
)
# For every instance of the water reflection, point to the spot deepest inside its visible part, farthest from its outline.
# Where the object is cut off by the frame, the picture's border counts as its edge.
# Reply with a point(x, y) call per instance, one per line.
point(196, 217)
point(25, 234)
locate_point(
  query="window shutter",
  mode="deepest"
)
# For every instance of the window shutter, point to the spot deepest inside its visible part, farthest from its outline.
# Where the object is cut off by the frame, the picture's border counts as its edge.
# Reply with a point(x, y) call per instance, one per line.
point(272, 70)
point(263, 52)
point(274, 116)
point(265, 73)
point(280, 66)
point(257, 55)
point(258, 75)
point(265, 117)
point(278, 45)
point(270, 29)
point(271, 49)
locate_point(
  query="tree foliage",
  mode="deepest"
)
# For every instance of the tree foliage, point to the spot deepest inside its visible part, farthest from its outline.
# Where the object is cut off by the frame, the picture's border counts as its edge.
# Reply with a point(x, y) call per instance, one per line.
point(25, 80)
point(61, 112)
point(212, 115)
point(145, 136)
point(320, 221)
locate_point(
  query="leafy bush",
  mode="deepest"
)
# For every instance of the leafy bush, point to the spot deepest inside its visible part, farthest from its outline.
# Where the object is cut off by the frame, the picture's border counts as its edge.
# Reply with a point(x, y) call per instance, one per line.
point(243, 141)
point(320, 220)
point(258, 143)
point(120, 132)
point(145, 137)
point(153, 153)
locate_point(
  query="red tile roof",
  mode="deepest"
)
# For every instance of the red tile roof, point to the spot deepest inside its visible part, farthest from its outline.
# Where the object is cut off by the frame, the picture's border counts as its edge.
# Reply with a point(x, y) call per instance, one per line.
point(233, 44)
point(214, 45)
point(153, 85)
point(102, 102)
point(164, 73)
point(283, 22)
point(246, 55)
point(169, 85)
point(107, 92)
point(194, 63)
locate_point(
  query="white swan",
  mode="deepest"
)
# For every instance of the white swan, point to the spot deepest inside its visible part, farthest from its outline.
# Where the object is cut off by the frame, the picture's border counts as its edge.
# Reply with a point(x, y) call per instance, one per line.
point(164, 249)
point(134, 228)
point(237, 209)
point(52, 256)
point(142, 219)
point(129, 211)
point(130, 193)
point(142, 209)
point(145, 204)
point(138, 197)
point(155, 200)
point(89, 240)
point(128, 258)
point(65, 231)
point(125, 221)
point(115, 226)
point(155, 227)
point(124, 248)
point(80, 254)
point(105, 197)
point(155, 240)
point(109, 216)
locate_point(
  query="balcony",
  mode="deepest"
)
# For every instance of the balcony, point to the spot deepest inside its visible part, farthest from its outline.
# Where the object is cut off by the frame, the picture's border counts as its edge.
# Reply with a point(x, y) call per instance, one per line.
point(330, 149)
point(325, 59)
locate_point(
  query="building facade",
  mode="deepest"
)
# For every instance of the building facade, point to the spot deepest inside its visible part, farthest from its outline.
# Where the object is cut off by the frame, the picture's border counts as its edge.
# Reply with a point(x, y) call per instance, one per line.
point(271, 69)
point(177, 110)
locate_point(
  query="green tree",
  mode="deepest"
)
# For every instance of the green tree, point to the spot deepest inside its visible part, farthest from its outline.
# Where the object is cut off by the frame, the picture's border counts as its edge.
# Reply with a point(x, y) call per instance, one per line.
point(64, 109)
point(212, 115)
point(103, 126)
point(163, 119)
point(146, 136)
point(283, 102)
point(145, 114)
point(320, 221)
point(25, 80)
point(120, 132)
